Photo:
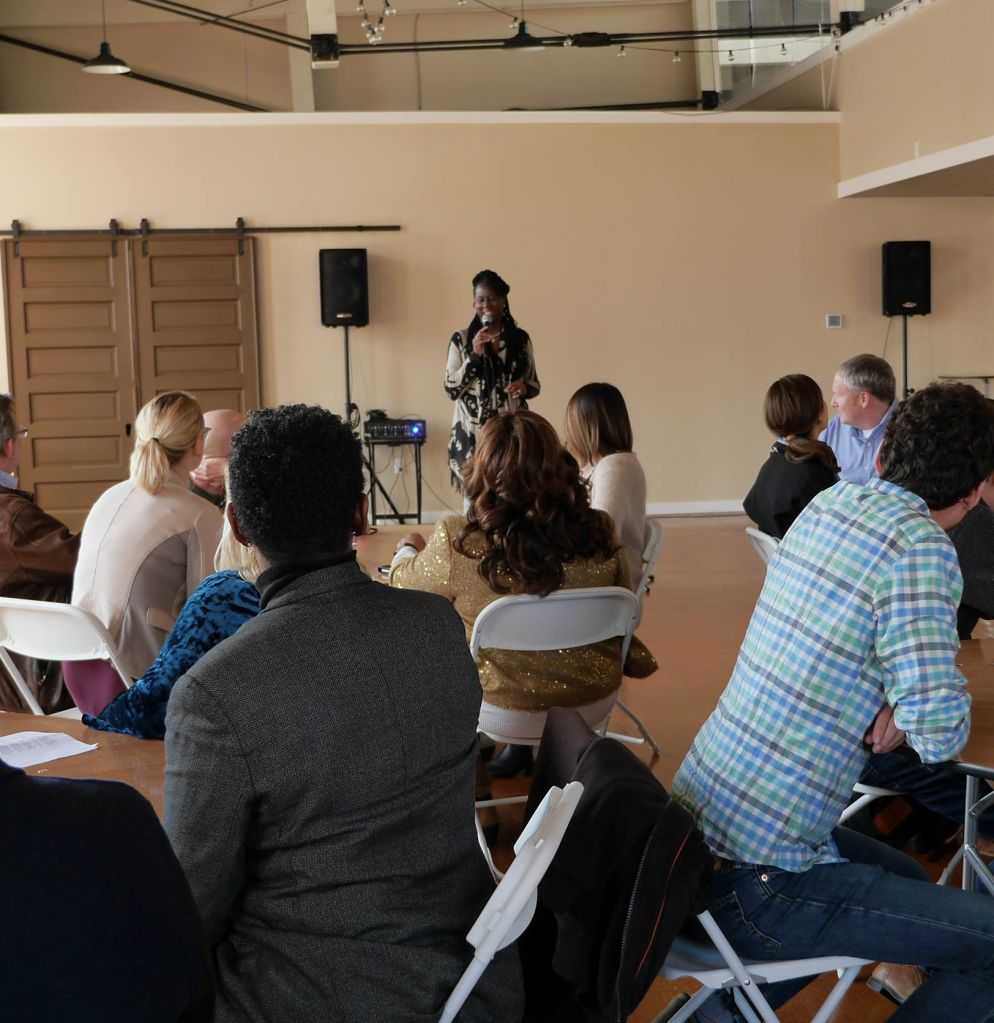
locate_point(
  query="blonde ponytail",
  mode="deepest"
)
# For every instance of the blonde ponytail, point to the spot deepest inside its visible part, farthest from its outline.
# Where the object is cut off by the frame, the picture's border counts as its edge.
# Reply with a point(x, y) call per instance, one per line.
point(165, 430)
point(149, 465)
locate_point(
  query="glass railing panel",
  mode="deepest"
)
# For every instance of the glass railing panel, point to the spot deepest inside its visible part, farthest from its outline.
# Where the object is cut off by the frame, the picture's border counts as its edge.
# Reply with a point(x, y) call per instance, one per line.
point(744, 62)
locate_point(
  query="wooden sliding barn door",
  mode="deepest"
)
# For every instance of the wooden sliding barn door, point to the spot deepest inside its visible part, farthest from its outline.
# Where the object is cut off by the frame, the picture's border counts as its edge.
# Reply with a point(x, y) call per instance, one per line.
point(72, 367)
point(96, 328)
point(195, 302)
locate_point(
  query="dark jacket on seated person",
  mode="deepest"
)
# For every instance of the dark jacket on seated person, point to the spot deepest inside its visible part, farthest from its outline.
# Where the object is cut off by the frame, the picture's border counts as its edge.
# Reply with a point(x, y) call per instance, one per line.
point(319, 794)
point(631, 869)
point(973, 539)
point(98, 920)
point(37, 561)
point(783, 489)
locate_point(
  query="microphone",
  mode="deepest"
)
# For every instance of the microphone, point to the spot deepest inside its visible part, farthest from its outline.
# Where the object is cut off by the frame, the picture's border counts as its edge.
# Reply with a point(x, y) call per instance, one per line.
point(486, 319)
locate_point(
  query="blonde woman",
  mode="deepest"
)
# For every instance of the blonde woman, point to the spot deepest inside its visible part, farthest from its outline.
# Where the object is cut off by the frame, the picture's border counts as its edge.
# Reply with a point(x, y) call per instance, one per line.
point(148, 542)
point(599, 437)
point(221, 604)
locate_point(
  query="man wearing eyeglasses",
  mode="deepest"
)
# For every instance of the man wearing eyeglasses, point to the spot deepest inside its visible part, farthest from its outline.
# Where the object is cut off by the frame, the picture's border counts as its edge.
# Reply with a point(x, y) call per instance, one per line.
point(37, 560)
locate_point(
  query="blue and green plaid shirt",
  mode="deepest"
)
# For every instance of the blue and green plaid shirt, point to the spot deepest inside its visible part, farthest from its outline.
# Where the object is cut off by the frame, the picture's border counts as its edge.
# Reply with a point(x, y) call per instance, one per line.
point(859, 607)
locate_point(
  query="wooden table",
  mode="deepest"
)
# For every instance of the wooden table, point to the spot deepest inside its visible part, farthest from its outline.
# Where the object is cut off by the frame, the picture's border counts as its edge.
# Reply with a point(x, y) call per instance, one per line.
point(375, 549)
point(141, 763)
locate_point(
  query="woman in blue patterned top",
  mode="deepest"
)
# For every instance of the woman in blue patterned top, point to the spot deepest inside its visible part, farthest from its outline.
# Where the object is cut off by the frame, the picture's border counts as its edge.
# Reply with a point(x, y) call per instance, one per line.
point(216, 609)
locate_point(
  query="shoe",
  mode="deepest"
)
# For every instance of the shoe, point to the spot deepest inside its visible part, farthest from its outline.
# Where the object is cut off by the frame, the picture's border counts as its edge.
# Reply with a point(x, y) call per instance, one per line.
point(932, 835)
point(898, 983)
point(512, 761)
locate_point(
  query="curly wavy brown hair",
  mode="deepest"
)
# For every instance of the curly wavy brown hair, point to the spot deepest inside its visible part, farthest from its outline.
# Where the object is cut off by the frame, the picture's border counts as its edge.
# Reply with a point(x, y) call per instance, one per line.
point(530, 506)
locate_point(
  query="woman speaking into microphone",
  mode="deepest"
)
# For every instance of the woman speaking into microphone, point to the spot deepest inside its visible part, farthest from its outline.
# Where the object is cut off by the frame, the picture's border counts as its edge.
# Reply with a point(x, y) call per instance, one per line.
point(490, 369)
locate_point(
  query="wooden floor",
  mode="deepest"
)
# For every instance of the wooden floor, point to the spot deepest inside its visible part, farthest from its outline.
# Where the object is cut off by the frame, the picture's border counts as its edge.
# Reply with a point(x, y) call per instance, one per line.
point(707, 581)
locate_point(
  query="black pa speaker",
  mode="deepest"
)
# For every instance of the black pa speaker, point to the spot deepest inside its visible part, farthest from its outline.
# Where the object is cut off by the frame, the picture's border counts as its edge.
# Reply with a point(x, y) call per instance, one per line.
point(344, 287)
point(907, 278)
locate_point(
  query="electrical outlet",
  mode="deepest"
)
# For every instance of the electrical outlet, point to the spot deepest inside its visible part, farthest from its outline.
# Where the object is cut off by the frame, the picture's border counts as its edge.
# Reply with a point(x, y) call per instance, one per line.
point(833, 321)
point(398, 465)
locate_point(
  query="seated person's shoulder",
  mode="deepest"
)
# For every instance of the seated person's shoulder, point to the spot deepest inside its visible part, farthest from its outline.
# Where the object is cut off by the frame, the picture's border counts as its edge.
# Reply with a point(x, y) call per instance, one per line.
point(220, 597)
point(451, 528)
point(96, 801)
point(409, 597)
point(223, 585)
point(831, 431)
point(976, 525)
point(196, 506)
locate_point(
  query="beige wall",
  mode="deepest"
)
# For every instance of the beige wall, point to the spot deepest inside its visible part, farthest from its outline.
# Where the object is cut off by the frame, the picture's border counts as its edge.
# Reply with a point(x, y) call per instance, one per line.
point(815, 89)
point(927, 78)
point(688, 261)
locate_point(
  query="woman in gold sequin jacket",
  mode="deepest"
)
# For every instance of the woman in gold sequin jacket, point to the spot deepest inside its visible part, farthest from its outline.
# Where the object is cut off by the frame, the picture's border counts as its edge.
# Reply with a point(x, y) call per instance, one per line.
point(529, 529)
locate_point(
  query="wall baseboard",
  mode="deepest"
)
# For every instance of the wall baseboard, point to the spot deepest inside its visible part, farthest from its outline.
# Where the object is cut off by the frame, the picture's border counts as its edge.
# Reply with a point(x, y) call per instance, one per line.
point(665, 509)
point(658, 509)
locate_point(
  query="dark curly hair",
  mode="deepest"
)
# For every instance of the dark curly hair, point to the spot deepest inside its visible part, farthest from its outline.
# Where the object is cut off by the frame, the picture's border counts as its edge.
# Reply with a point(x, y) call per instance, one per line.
point(295, 480)
point(939, 443)
point(529, 504)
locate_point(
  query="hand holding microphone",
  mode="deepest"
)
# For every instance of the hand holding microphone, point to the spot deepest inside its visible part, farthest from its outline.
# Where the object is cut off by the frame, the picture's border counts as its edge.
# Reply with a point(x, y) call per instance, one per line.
point(483, 337)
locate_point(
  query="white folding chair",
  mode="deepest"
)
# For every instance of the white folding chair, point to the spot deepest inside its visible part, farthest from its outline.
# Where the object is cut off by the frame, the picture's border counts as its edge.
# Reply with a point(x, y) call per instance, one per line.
point(867, 794)
point(52, 632)
point(715, 966)
point(512, 905)
point(564, 619)
point(650, 552)
point(653, 543)
point(763, 544)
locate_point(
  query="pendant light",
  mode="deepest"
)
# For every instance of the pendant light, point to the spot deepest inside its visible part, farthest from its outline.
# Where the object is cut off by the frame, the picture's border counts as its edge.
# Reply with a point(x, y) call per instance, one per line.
point(105, 63)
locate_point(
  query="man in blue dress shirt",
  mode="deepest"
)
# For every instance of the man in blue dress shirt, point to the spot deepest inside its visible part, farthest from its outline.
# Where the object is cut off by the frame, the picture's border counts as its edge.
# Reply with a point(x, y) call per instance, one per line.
point(863, 392)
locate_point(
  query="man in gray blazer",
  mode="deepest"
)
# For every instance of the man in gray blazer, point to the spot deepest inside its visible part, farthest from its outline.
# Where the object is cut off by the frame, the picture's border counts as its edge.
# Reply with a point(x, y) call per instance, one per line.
point(319, 780)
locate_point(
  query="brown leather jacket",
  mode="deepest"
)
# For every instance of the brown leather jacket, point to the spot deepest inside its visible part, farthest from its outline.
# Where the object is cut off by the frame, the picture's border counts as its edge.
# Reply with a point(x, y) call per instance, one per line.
point(37, 561)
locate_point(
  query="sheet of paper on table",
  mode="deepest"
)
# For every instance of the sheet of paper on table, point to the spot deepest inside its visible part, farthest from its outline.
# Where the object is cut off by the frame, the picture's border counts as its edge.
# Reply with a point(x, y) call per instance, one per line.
point(26, 749)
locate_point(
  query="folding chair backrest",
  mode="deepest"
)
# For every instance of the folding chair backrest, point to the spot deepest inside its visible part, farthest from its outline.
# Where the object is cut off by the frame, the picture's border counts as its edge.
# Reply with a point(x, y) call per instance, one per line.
point(512, 905)
point(563, 619)
point(52, 632)
point(763, 544)
point(650, 552)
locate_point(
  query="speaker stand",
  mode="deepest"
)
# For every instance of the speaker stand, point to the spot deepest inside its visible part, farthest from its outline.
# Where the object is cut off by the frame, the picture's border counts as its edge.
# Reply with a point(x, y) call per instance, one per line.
point(352, 418)
point(904, 318)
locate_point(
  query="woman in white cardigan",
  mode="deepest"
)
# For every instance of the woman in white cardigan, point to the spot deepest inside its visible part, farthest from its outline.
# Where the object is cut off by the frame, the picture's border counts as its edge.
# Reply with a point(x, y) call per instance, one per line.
point(599, 437)
point(148, 542)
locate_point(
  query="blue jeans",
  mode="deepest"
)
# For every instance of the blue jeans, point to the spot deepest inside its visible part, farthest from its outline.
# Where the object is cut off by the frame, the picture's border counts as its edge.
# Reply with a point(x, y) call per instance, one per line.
point(937, 790)
point(881, 905)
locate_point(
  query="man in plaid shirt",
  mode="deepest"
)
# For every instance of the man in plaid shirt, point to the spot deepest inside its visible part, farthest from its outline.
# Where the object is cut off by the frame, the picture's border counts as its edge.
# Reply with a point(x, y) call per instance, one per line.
point(851, 649)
